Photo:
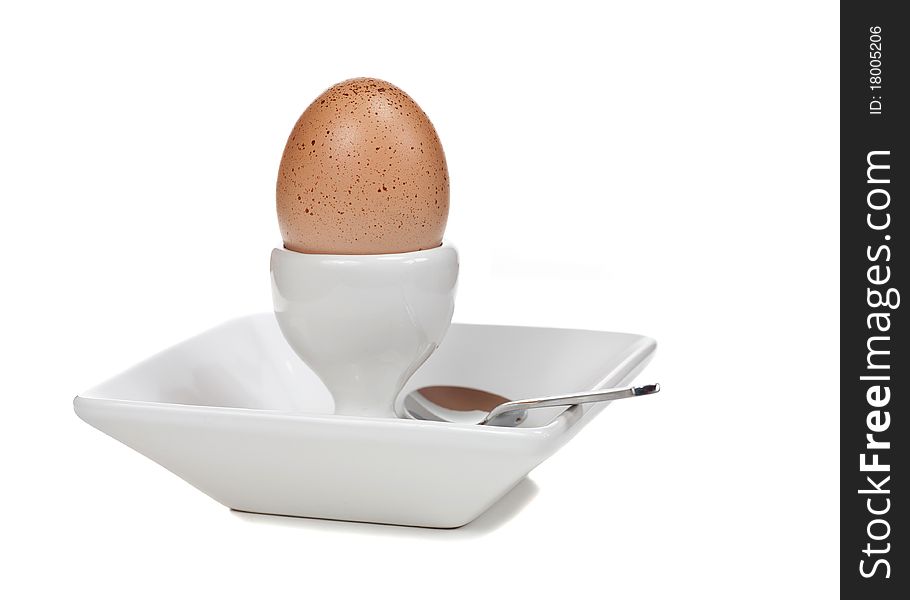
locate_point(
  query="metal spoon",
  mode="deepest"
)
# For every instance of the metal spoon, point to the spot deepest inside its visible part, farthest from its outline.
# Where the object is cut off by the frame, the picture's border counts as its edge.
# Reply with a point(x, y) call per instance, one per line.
point(452, 404)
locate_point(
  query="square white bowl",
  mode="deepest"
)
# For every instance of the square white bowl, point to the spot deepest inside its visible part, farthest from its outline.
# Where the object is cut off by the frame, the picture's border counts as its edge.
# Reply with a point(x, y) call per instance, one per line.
point(237, 414)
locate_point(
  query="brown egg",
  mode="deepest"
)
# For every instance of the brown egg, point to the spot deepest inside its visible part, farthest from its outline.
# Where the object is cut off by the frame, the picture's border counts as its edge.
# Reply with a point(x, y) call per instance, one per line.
point(363, 172)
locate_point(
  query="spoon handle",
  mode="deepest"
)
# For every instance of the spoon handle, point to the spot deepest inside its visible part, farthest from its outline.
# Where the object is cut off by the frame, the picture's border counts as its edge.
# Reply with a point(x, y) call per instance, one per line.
point(572, 399)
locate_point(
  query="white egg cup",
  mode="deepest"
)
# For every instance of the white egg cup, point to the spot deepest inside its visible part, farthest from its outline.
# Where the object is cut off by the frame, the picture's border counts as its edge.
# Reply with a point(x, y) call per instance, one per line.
point(364, 323)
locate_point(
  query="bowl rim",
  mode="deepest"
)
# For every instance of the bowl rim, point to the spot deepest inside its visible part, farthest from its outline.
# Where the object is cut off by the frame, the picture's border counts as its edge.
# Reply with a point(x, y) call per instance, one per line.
point(639, 354)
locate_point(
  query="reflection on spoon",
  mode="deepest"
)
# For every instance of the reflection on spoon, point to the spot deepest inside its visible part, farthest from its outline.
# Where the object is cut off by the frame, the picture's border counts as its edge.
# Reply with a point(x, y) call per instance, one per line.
point(453, 404)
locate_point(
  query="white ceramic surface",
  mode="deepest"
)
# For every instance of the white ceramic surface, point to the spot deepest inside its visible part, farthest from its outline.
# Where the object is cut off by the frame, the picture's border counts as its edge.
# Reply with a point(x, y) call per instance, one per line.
point(237, 414)
point(364, 323)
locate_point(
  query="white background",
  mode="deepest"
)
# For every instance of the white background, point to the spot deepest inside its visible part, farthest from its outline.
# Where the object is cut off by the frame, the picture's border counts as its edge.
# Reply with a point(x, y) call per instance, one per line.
point(660, 168)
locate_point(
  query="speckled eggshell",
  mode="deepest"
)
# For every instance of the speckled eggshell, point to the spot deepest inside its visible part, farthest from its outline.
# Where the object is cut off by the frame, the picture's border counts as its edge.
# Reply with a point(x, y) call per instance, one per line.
point(363, 172)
